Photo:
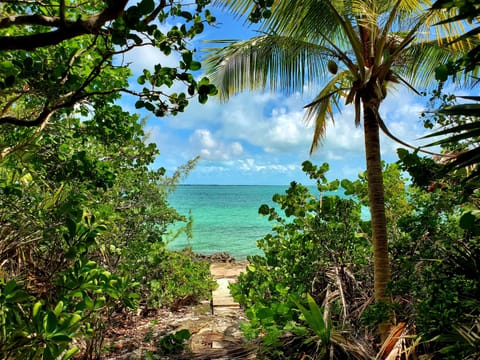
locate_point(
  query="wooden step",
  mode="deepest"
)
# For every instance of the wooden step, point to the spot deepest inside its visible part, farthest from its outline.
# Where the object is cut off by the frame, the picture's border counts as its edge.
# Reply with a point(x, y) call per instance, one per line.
point(221, 296)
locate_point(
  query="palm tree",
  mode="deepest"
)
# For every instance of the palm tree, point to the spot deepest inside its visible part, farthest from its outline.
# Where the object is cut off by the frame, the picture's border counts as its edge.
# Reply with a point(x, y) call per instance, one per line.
point(365, 45)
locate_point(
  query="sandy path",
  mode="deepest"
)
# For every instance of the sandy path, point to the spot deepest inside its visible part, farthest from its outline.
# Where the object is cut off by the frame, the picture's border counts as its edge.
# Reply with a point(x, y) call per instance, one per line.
point(225, 274)
point(214, 335)
point(220, 337)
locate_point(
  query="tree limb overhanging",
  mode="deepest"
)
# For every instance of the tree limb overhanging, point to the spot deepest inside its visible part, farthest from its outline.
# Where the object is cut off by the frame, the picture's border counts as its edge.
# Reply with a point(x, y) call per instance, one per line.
point(64, 29)
point(54, 56)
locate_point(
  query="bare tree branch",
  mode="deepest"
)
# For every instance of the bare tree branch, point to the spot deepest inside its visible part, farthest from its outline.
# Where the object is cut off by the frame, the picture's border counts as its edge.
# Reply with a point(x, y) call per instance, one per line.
point(65, 30)
point(41, 118)
point(51, 21)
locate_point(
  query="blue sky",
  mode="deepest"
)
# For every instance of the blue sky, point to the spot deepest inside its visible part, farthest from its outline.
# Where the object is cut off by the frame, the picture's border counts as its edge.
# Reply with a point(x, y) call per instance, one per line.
point(261, 138)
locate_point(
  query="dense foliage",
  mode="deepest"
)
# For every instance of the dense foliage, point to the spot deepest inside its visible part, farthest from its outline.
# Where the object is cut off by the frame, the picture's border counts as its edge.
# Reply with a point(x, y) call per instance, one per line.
point(349, 53)
point(459, 125)
point(311, 293)
point(84, 231)
point(58, 54)
point(84, 219)
point(314, 250)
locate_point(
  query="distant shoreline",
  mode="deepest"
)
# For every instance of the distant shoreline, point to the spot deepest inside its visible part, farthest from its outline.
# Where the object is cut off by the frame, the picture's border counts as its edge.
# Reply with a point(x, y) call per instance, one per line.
point(285, 185)
point(218, 257)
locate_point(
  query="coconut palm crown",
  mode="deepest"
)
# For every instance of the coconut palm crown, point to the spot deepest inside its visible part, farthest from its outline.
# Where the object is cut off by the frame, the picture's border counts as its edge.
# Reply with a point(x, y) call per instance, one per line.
point(349, 49)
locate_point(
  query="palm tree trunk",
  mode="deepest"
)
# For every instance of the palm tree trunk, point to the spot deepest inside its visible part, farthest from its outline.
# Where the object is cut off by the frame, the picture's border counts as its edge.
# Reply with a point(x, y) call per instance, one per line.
point(376, 197)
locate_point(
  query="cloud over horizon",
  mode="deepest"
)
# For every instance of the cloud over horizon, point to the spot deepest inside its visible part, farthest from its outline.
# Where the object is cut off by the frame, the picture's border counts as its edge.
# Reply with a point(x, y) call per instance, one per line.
point(265, 132)
point(262, 136)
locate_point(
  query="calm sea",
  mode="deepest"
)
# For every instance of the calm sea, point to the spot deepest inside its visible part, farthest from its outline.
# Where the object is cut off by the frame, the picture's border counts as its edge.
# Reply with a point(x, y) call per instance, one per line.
point(225, 217)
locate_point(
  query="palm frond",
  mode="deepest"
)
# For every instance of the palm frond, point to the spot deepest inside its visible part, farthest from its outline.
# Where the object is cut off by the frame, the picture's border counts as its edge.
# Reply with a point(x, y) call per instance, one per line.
point(405, 82)
point(465, 130)
point(425, 46)
point(236, 7)
point(466, 159)
point(386, 28)
point(455, 139)
point(462, 110)
point(320, 109)
point(353, 40)
point(420, 61)
point(311, 18)
point(445, 32)
point(273, 61)
point(315, 22)
point(466, 97)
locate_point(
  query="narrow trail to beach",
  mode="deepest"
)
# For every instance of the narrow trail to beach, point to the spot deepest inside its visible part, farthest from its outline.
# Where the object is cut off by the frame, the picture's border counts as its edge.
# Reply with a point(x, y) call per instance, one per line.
point(214, 326)
point(221, 338)
point(225, 274)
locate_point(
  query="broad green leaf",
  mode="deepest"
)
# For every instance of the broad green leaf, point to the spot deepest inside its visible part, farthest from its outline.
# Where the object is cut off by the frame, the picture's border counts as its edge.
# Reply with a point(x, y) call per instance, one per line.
point(9, 288)
point(6, 66)
point(314, 319)
point(58, 309)
point(75, 318)
point(441, 73)
point(468, 220)
point(50, 323)
point(36, 308)
point(70, 353)
point(146, 6)
point(195, 65)
point(187, 57)
point(60, 338)
point(47, 354)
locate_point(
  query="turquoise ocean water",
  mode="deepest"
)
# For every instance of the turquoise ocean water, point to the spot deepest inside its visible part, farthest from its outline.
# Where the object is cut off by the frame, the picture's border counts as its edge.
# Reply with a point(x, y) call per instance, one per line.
point(225, 217)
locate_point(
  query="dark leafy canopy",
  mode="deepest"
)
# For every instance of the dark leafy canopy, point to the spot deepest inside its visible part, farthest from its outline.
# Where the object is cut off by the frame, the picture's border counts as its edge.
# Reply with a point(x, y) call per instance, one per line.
point(84, 226)
point(83, 216)
point(460, 125)
point(365, 46)
point(469, 11)
point(57, 55)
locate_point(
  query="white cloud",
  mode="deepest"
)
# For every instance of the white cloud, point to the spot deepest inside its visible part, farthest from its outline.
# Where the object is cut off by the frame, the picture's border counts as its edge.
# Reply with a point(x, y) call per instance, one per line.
point(401, 112)
point(213, 149)
point(286, 132)
point(204, 138)
point(211, 169)
point(276, 124)
point(265, 134)
point(237, 148)
point(263, 120)
point(250, 165)
point(260, 119)
point(342, 140)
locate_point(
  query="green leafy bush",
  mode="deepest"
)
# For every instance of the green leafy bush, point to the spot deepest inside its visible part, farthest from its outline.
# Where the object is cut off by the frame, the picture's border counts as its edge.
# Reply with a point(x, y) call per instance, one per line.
point(321, 248)
point(173, 343)
point(74, 304)
point(31, 328)
point(438, 275)
point(315, 249)
point(88, 233)
point(175, 278)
